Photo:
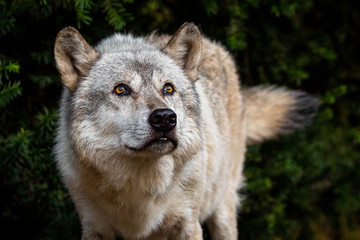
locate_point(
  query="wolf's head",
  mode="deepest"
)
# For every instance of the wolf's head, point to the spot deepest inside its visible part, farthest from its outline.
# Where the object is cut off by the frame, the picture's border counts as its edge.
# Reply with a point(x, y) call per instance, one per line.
point(126, 97)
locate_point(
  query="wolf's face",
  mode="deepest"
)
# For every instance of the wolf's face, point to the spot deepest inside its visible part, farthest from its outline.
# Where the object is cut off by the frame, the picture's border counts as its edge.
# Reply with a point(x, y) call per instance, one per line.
point(136, 104)
point(128, 98)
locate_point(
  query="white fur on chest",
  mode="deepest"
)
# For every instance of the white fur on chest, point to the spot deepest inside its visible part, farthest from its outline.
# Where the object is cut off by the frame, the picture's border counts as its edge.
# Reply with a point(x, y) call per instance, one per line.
point(132, 193)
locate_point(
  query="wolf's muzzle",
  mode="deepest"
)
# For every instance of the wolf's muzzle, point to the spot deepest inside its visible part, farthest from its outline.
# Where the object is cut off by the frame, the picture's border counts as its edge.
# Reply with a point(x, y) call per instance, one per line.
point(163, 119)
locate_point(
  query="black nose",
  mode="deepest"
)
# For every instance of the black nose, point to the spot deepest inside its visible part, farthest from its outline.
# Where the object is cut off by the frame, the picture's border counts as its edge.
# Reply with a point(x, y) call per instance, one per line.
point(163, 119)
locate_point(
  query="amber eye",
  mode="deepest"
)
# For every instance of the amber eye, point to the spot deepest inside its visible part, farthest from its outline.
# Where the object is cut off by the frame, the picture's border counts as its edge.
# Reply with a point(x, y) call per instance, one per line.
point(168, 89)
point(121, 90)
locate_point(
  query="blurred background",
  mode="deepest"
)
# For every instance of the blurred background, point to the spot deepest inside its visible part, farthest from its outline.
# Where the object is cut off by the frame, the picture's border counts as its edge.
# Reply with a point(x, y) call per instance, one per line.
point(302, 186)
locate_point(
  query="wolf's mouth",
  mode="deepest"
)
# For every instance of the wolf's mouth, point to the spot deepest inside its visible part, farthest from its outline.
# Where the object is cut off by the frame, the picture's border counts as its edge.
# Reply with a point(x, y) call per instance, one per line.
point(160, 140)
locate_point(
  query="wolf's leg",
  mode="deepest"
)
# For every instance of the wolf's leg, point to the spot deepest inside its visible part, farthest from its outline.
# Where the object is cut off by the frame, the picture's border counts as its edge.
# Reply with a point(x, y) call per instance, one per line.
point(94, 225)
point(156, 236)
point(96, 230)
point(222, 224)
point(196, 233)
point(96, 236)
point(187, 231)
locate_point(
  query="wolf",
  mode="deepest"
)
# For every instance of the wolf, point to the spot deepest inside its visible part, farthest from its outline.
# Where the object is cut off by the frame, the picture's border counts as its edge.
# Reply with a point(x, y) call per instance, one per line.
point(153, 131)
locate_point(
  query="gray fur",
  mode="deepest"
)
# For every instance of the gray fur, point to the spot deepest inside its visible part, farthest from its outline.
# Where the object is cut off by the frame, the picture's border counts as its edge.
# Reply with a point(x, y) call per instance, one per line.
point(128, 179)
point(301, 113)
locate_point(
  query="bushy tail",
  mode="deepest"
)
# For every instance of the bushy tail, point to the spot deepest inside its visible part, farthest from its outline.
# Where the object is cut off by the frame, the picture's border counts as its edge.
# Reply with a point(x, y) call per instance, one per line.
point(271, 111)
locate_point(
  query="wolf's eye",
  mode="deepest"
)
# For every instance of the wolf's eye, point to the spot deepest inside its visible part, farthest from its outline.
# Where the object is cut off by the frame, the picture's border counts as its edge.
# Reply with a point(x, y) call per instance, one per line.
point(168, 89)
point(121, 90)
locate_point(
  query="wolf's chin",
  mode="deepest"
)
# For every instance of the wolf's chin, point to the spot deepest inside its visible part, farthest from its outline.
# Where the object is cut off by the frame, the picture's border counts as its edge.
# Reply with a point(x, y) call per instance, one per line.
point(163, 145)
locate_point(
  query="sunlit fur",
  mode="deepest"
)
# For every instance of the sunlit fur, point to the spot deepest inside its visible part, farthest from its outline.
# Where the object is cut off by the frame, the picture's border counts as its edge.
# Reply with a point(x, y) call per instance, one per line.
point(122, 180)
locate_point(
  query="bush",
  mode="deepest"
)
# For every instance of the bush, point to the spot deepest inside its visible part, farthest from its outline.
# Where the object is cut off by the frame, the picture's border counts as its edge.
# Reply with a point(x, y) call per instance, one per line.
point(302, 186)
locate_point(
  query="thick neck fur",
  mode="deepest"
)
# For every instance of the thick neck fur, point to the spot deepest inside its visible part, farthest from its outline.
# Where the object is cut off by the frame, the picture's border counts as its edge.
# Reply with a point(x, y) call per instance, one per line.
point(148, 176)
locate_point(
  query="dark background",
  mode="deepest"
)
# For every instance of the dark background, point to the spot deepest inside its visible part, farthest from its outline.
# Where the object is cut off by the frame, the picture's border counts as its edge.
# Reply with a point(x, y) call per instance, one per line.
point(301, 186)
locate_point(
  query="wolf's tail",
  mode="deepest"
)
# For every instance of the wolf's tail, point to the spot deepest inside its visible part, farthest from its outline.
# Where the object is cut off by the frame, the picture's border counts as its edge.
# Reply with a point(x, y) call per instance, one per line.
point(271, 111)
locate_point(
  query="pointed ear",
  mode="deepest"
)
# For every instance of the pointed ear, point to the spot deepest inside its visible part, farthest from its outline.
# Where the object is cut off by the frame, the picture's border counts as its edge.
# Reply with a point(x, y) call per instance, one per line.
point(74, 56)
point(185, 48)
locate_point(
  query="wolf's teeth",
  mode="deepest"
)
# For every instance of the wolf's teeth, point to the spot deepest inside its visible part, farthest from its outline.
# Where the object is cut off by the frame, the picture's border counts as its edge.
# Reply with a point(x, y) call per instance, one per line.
point(163, 139)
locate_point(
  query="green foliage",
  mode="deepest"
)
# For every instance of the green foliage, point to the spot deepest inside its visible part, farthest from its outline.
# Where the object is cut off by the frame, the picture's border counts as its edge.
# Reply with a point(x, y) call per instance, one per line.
point(34, 191)
point(303, 189)
point(117, 16)
point(302, 186)
point(11, 90)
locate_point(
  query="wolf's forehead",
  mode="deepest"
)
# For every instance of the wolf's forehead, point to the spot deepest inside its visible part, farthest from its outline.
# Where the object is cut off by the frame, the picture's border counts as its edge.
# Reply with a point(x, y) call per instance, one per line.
point(147, 66)
point(140, 77)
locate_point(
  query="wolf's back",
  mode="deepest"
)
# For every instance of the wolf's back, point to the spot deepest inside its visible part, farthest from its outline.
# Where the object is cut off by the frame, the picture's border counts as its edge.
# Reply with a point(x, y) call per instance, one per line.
point(271, 111)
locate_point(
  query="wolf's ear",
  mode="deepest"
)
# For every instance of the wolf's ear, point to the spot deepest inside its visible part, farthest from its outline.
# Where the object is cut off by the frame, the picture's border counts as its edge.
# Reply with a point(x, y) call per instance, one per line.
point(185, 48)
point(74, 56)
